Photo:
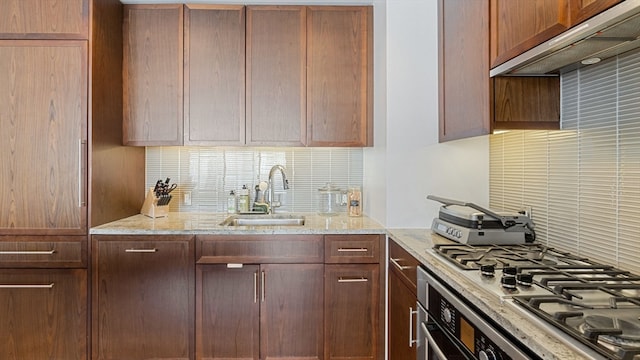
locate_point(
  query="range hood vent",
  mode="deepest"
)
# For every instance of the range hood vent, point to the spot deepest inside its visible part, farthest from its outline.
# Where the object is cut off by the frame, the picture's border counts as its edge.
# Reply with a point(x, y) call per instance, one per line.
point(610, 33)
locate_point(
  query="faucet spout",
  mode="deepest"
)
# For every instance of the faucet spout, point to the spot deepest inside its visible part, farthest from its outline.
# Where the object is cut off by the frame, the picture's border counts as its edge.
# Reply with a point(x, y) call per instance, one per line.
point(285, 185)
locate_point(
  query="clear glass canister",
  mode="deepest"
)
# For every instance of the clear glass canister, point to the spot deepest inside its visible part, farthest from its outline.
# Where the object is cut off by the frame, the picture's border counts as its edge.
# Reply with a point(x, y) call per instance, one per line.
point(330, 200)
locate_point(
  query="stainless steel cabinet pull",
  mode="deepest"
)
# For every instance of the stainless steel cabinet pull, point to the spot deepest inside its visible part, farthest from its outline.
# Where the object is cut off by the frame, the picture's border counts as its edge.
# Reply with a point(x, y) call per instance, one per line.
point(352, 279)
point(255, 287)
point(397, 264)
point(353, 249)
point(411, 340)
point(27, 252)
point(26, 286)
point(262, 287)
point(141, 250)
point(81, 165)
point(431, 343)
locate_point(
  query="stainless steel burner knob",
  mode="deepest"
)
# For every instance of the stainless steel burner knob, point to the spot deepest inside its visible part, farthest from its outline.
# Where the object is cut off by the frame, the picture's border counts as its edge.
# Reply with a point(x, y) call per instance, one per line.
point(525, 279)
point(508, 282)
point(488, 270)
point(509, 271)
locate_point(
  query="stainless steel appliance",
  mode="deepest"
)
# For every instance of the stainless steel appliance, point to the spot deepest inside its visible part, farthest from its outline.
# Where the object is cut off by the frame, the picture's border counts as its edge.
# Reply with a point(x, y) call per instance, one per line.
point(592, 307)
point(468, 223)
point(448, 328)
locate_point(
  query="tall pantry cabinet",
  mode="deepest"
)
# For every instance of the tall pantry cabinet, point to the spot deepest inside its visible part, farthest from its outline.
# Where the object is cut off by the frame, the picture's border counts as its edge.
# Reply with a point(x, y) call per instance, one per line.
point(49, 106)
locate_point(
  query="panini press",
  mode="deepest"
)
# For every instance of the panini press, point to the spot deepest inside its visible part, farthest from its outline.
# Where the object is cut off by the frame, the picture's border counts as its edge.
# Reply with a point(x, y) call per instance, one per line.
point(468, 223)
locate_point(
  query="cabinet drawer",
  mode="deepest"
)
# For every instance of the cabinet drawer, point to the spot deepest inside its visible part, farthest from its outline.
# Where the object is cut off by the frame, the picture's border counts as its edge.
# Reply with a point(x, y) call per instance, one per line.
point(43, 252)
point(349, 249)
point(403, 264)
point(20, 19)
point(44, 314)
point(257, 249)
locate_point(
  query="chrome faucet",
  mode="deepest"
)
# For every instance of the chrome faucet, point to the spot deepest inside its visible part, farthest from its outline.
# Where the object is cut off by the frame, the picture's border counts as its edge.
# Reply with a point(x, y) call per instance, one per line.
point(285, 185)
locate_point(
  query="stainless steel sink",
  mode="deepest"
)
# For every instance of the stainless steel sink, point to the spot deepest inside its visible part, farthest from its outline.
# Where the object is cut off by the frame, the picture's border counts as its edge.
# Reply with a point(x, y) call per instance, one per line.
point(264, 220)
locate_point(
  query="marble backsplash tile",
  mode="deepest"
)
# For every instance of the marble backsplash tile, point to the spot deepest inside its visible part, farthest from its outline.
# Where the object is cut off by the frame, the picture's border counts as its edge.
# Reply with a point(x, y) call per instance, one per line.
point(208, 174)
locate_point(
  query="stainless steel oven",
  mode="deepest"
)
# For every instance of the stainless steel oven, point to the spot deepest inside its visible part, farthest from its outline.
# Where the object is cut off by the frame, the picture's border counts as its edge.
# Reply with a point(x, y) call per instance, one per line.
point(449, 328)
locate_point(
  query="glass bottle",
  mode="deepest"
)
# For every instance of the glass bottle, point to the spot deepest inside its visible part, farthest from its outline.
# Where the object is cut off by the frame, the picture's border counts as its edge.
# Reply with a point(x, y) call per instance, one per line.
point(355, 201)
point(232, 206)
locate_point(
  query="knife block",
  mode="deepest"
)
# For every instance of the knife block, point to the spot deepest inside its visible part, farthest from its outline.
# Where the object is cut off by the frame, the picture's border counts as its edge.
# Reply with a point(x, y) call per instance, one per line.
point(151, 208)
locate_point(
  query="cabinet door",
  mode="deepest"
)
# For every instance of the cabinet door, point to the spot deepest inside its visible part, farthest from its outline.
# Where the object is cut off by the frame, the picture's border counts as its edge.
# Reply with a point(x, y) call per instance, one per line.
point(44, 19)
point(352, 304)
point(402, 320)
point(214, 75)
point(465, 87)
point(227, 312)
point(152, 71)
point(276, 75)
point(43, 117)
point(291, 305)
point(143, 298)
point(583, 9)
point(339, 76)
point(519, 25)
point(44, 314)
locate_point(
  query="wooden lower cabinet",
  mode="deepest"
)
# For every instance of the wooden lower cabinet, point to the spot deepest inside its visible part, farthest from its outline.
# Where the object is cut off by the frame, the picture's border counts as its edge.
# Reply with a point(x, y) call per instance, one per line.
point(44, 314)
point(402, 321)
point(351, 311)
point(143, 297)
point(403, 297)
point(266, 311)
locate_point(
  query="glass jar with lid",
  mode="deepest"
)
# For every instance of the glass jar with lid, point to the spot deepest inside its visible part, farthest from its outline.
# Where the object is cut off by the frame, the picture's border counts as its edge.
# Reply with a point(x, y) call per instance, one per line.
point(330, 200)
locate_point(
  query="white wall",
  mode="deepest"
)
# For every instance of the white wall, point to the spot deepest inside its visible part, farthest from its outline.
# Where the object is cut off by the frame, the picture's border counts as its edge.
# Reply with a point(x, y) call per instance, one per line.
point(414, 164)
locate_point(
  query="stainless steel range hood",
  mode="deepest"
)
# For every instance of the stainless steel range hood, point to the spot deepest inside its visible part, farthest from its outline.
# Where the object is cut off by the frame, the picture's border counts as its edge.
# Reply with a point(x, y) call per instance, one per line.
point(608, 34)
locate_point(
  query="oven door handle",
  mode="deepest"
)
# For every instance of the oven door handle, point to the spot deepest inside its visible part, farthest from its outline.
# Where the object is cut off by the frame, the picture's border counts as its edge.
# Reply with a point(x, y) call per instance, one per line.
point(431, 342)
point(430, 326)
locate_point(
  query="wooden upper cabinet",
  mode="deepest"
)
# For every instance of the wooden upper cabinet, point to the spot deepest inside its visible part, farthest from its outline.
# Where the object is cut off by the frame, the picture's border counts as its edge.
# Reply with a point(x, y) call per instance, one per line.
point(153, 72)
point(519, 25)
point(339, 76)
point(465, 87)
point(276, 75)
point(472, 103)
point(43, 137)
point(214, 88)
point(44, 19)
point(255, 75)
point(583, 9)
point(526, 103)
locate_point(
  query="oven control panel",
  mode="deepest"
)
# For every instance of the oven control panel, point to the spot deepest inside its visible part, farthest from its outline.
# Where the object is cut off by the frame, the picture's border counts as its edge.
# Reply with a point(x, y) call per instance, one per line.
point(466, 332)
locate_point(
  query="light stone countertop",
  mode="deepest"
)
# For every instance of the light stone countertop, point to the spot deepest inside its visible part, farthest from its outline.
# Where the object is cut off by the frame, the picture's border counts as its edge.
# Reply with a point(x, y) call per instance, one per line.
point(418, 241)
point(184, 223)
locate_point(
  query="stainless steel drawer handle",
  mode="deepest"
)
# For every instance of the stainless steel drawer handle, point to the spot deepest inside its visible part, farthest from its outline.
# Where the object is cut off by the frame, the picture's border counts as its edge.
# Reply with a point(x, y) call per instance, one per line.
point(411, 340)
point(26, 286)
point(397, 264)
point(141, 250)
point(27, 252)
point(353, 249)
point(352, 279)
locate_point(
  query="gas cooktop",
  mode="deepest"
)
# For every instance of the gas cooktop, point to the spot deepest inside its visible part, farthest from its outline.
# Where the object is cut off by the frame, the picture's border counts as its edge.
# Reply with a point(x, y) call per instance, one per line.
point(594, 304)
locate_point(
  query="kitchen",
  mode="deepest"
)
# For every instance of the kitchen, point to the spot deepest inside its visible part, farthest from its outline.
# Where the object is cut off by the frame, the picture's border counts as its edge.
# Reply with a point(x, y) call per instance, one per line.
point(398, 172)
